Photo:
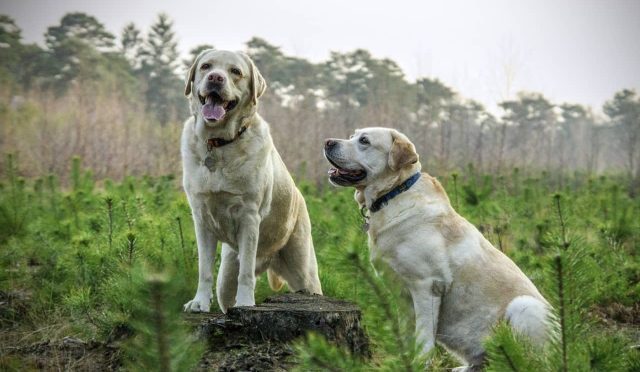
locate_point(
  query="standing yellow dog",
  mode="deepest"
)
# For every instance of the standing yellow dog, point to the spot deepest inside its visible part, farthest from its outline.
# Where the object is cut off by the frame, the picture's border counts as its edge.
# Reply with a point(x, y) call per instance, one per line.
point(239, 190)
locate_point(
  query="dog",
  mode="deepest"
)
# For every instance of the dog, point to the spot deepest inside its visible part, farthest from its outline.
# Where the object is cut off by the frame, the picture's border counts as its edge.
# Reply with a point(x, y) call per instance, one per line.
point(239, 189)
point(460, 285)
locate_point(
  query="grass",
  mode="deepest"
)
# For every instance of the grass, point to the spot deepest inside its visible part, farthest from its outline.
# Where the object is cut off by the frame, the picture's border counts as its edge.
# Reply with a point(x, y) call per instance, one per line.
point(112, 259)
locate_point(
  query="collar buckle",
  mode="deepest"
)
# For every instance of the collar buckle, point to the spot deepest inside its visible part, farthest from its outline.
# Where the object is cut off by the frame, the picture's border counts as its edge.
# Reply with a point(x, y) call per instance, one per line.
point(219, 142)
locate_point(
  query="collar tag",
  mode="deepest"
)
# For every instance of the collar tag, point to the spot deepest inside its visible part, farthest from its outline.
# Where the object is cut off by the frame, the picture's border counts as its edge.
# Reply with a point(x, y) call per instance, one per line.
point(365, 224)
point(210, 163)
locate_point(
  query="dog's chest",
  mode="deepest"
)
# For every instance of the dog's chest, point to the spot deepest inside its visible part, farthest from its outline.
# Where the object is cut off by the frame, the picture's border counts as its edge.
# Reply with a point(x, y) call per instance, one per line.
point(223, 196)
point(201, 180)
point(222, 213)
point(209, 173)
point(384, 255)
point(409, 249)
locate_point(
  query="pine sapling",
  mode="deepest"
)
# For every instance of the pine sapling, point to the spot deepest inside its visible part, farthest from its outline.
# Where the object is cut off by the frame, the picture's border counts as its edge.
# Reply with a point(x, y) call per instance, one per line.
point(16, 216)
point(507, 358)
point(184, 251)
point(561, 310)
point(161, 340)
point(131, 247)
point(109, 202)
point(560, 282)
point(127, 216)
point(508, 350)
point(386, 306)
point(156, 289)
point(565, 243)
point(51, 184)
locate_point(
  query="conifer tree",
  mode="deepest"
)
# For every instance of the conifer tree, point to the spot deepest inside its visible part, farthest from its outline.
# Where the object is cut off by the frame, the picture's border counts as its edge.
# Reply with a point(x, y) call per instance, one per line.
point(131, 44)
point(76, 45)
point(159, 57)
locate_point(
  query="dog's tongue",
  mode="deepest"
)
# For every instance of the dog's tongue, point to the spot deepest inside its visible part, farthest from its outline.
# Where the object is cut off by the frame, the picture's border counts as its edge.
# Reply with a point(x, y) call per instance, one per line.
point(213, 111)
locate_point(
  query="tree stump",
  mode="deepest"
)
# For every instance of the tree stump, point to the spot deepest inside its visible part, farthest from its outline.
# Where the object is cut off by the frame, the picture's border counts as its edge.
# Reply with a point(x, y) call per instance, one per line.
point(273, 324)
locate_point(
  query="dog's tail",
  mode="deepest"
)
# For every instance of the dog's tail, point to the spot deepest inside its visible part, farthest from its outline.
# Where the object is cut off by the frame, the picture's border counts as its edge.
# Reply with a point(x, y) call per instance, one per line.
point(275, 281)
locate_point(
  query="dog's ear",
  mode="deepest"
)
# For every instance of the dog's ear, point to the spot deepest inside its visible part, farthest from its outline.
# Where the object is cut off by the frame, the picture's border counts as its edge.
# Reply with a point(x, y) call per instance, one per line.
point(402, 153)
point(257, 83)
point(191, 74)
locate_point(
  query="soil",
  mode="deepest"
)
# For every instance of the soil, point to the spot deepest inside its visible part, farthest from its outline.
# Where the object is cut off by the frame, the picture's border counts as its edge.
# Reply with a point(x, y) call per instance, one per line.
point(620, 313)
point(245, 339)
point(621, 318)
point(66, 354)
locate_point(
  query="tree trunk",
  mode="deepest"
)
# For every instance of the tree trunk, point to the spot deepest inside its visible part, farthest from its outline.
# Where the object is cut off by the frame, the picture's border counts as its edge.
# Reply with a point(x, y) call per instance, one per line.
point(259, 337)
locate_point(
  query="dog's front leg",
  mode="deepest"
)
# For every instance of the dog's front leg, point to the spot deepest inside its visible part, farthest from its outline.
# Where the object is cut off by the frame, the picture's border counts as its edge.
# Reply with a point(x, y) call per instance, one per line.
point(248, 235)
point(207, 244)
point(426, 295)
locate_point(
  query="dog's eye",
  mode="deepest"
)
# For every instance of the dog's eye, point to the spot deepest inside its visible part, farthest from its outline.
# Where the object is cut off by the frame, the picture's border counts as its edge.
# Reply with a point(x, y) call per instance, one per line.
point(235, 71)
point(364, 140)
point(205, 66)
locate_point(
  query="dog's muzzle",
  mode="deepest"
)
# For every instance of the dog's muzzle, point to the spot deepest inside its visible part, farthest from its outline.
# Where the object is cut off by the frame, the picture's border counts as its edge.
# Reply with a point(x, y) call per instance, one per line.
point(341, 175)
point(215, 106)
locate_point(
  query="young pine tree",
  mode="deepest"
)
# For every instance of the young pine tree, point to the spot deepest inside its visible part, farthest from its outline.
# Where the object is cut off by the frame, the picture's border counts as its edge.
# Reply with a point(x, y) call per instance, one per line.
point(575, 343)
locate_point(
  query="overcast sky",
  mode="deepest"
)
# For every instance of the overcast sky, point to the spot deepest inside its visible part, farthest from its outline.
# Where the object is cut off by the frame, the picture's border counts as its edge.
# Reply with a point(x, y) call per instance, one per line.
point(570, 50)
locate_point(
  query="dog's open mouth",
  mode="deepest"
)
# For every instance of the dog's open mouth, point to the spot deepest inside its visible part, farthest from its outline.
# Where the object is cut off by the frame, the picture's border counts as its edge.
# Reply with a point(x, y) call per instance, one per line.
point(214, 107)
point(343, 176)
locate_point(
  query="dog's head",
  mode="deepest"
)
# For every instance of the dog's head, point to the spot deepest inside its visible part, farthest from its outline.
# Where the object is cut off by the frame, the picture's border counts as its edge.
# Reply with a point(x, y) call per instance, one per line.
point(379, 156)
point(222, 85)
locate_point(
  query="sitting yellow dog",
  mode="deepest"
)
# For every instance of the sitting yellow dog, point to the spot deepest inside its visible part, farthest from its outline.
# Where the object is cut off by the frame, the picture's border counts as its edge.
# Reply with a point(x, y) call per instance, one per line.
point(460, 284)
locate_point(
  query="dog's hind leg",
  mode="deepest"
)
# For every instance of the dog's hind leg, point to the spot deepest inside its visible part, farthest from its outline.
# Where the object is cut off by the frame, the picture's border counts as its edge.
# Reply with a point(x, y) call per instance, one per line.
point(296, 261)
point(227, 282)
point(529, 316)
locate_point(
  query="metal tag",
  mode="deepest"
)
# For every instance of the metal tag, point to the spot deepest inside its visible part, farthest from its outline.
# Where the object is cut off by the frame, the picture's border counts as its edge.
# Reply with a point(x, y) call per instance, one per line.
point(363, 213)
point(209, 163)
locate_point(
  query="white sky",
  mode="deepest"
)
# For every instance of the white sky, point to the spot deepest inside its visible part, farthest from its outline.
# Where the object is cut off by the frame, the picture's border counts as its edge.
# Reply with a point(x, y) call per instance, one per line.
point(570, 50)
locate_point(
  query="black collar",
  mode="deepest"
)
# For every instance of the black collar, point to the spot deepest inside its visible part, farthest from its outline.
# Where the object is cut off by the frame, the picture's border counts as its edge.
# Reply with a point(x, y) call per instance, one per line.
point(384, 199)
point(219, 142)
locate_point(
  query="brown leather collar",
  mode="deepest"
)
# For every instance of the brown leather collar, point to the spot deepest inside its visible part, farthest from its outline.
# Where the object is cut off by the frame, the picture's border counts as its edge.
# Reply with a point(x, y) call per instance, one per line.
point(219, 142)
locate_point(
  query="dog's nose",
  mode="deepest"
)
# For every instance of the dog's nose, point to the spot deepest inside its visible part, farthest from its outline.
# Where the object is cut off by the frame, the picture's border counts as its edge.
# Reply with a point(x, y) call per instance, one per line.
point(329, 143)
point(216, 78)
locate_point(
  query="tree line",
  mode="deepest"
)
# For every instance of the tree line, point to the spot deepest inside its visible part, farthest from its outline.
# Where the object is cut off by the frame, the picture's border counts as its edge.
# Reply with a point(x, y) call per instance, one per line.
point(117, 102)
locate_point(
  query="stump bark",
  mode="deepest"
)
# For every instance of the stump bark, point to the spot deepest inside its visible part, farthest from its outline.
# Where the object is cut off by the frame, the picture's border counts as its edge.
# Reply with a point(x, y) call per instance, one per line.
point(268, 328)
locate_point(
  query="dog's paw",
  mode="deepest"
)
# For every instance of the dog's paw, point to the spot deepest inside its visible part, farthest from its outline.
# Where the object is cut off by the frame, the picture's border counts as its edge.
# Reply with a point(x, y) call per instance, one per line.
point(244, 296)
point(245, 303)
point(199, 304)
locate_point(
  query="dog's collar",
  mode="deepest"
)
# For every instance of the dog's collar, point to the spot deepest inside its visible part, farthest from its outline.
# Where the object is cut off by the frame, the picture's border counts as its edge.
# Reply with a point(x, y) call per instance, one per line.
point(219, 142)
point(384, 199)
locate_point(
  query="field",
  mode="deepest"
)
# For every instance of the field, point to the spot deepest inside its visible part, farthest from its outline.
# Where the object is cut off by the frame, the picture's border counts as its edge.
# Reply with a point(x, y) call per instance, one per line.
point(102, 261)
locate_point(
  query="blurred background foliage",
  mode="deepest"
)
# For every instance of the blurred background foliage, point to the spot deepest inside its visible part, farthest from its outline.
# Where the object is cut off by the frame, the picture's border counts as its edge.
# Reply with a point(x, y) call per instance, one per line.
point(117, 102)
